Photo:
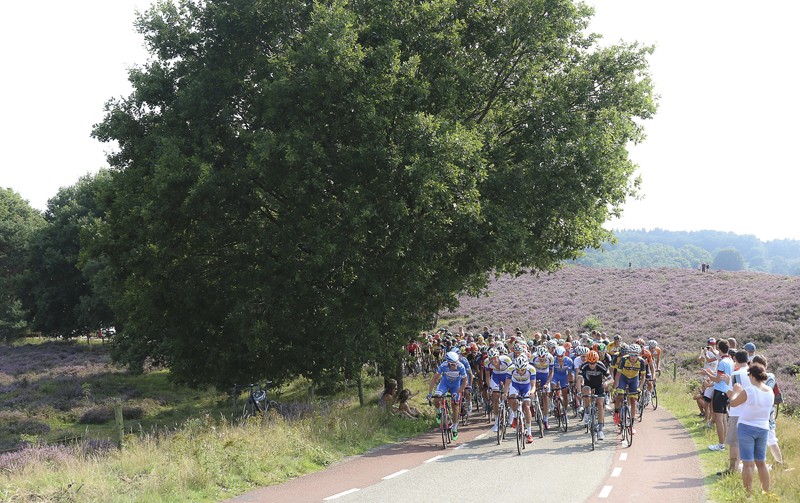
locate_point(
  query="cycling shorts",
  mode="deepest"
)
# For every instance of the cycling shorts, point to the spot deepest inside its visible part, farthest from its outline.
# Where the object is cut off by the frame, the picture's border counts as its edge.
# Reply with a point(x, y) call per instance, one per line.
point(629, 384)
point(498, 381)
point(596, 390)
point(444, 387)
point(561, 379)
point(542, 379)
point(520, 390)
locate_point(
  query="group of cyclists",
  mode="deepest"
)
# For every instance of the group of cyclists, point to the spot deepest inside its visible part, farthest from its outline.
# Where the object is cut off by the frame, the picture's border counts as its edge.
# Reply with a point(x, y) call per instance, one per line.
point(511, 368)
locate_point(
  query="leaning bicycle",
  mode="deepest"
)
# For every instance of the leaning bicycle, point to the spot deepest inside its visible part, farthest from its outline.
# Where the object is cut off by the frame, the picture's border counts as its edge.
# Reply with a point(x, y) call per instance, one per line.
point(256, 403)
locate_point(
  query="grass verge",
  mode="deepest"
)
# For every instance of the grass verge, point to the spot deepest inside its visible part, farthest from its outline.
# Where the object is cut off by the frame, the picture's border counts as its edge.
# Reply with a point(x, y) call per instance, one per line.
point(206, 459)
point(785, 485)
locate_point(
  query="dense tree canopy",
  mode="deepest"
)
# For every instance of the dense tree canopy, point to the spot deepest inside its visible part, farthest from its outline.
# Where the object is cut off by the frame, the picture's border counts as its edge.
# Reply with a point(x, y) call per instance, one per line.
point(61, 299)
point(300, 186)
point(18, 222)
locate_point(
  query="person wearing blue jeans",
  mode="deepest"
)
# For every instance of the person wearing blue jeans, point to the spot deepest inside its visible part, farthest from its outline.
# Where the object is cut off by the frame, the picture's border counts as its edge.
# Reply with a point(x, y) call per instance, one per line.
point(754, 400)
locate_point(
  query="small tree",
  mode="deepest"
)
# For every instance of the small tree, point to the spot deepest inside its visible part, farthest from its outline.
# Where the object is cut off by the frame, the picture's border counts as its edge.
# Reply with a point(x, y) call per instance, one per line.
point(728, 259)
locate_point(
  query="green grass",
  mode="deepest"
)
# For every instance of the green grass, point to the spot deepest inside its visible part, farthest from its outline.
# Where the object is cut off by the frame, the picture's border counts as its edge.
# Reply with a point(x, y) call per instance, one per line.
point(785, 485)
point(207, 459)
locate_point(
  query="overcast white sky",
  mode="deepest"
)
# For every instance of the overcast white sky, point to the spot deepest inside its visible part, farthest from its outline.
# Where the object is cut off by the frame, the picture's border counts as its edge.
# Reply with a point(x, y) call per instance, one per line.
point(719, 153)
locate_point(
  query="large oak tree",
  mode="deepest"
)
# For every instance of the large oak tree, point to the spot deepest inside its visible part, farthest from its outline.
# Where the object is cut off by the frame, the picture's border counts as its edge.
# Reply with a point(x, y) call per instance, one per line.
point(299, 186)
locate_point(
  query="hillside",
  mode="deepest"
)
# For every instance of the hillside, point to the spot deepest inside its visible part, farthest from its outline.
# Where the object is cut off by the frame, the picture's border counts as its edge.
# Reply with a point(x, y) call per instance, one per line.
point(679, 308)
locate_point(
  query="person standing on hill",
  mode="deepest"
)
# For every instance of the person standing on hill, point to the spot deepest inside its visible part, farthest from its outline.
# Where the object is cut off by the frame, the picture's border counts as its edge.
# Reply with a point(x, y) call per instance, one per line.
point(719, 399)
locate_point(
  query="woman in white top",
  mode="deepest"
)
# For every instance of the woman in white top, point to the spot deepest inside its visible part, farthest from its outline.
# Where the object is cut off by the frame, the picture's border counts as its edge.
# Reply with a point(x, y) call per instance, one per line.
point(754, 400)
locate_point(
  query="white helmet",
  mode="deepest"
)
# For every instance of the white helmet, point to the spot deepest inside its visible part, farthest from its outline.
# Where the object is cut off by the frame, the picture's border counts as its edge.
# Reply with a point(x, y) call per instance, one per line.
point(560, 351)
point(521, 361)
point(634, 349)
point(652, 343)
point(493, 353)
point(541, 351)
point(452, 357)
point(550, 344)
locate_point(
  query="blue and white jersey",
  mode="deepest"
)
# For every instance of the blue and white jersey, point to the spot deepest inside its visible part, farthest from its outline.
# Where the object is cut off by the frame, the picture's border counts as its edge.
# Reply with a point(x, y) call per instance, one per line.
point(504, 361)
point(523, 375)
point(567, 366)
point(543, 364)
point(452, 375)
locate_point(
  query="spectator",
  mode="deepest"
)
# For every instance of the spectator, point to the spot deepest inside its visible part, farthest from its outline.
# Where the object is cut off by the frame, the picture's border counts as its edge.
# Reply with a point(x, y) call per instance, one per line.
point(403, 408)
point(387, 397)
point(751, 351)
point(719, 399)
point(772, 439)
point(756, 401)
point(731, 346)
point(731, 429)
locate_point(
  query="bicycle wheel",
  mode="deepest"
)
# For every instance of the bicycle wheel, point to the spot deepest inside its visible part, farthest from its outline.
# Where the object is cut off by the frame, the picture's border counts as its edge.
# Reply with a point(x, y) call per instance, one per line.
point(593, 427)
point(629, 424)
point(520, 438)
point(504, 421)
point(501, 422)
point(444, 425)
point(654, 398)
point(565, 421)
point(537, 411)
point(640, 406)
point(248, 409)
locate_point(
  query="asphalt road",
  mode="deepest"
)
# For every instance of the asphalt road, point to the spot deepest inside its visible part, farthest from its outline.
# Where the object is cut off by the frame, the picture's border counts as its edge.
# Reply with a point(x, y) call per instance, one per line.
point(661, 463)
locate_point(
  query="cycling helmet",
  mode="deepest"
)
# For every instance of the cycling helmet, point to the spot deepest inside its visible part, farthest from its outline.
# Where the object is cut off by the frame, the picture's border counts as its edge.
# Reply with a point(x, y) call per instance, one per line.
point(503, 349)
point(531, 344)
point(518, 347)
point(635, 349)
point(592, 357)
point(472, 346)
point(541, 351)
point(560, 351)
point(493, 353)
point(624, 348)
point(550, 344)
point(521, 361)
point(617, 337)
point(640, 341)
point(652, 343)
point(583, 351)
point(452, 357)
point(557, 336)
point(567, 346)
point(601, 347)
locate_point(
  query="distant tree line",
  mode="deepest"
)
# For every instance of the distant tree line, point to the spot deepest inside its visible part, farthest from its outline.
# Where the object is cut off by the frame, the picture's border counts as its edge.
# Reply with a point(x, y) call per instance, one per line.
point(720, 250)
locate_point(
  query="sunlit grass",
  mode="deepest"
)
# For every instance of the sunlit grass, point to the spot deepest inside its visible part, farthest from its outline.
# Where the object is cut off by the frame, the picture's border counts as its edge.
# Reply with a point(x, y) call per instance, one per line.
point(785, 485)
point(207, 459)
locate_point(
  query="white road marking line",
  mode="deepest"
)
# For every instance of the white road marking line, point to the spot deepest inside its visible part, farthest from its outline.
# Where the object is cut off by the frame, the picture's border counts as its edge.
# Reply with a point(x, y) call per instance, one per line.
point(482, 436)
point(395, 474)
point(433, 459)
point(345, 493)
point(605, 492)
point(616, 472)
point(623, 456)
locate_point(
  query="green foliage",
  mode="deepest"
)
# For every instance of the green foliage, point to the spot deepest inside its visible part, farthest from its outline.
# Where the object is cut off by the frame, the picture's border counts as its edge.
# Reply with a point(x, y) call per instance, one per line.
point(728, 259)
point(301, 186)
point(18, 222)
point(592, 323)
point(62, 300)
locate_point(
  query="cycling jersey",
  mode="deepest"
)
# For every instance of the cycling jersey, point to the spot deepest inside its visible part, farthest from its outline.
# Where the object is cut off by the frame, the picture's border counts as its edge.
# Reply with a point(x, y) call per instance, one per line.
point(543, 364)
point(594, 377)
point(452, 375)
point(631, 367)
point(521, 380)
point(499, 371)
point(562, 370)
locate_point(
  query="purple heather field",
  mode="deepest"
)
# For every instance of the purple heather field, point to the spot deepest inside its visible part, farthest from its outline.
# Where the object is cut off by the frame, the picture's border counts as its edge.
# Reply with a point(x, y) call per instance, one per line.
point(680, 308)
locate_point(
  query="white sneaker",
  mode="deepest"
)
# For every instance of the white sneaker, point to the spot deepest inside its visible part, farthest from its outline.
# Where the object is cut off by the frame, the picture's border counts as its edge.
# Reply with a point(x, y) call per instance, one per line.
point(716, 447)
point(601, 435)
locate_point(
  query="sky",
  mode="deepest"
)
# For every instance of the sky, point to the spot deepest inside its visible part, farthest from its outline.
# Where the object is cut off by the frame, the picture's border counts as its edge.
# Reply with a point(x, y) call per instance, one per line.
point(719, 154)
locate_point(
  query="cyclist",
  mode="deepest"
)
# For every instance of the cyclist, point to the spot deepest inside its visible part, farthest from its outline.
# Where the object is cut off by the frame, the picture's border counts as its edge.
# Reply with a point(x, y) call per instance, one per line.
point(593, 376)
point(496, 375)
point(470, 375)
point(631, 370)
point(543, 362)
point(563, 371)
point(450, 376)
point(519, 386)
point(655, 350)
